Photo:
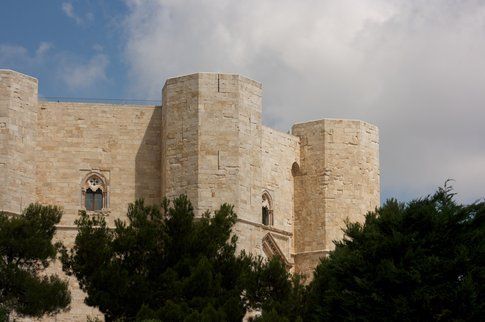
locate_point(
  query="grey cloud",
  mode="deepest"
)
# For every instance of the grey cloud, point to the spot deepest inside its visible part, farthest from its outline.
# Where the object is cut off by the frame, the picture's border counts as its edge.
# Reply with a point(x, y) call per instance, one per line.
point(414, 68)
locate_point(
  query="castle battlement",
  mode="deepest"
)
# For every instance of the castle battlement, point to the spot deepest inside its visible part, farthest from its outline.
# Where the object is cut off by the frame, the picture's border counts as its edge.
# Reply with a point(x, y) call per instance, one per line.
point(291, 192)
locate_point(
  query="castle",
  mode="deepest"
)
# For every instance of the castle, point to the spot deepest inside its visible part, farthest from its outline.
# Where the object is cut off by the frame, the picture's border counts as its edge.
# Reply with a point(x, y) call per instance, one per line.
point(291, 192)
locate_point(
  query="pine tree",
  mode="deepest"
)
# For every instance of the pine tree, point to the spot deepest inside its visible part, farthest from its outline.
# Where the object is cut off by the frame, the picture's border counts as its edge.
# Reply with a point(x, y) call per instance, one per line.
point(421, 261)
point(161, 264)
point(26, 249)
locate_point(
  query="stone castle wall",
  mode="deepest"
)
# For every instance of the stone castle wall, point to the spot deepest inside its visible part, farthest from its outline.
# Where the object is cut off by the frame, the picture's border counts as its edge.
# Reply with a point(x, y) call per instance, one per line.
point(279, 152)
point(207, 141)
point(179, 140)
point(122, 142)
point(338, 179)
point(212, 141)
point(18, 119)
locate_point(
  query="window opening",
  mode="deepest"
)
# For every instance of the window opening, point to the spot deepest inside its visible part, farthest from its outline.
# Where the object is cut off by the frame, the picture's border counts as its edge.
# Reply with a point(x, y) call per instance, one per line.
point(94, 200)
point(266, 210)
point(94, 193)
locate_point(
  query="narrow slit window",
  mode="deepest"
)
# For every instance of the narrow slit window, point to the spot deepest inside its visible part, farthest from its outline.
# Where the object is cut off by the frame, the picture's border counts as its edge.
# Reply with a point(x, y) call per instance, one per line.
point(267, 210)
point(265, 214)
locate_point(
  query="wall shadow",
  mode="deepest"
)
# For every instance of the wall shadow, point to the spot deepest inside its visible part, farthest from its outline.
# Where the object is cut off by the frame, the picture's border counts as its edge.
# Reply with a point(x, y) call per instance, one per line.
point(147, 161)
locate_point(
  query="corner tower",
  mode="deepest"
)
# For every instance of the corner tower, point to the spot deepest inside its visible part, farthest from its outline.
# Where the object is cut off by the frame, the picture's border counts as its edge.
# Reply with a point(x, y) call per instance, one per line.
point(211, 142)
point(18, 123)
point(338, 178)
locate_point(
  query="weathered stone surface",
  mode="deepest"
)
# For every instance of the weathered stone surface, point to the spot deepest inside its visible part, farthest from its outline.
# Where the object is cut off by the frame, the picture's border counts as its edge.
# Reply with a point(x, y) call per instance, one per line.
point(122, 142)
point(338, 179)
point(18, 120)
point(207, 141)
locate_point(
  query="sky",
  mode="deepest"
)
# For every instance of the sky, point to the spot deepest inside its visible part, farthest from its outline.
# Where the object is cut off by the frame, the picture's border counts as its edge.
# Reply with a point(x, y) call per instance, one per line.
point(414, 68)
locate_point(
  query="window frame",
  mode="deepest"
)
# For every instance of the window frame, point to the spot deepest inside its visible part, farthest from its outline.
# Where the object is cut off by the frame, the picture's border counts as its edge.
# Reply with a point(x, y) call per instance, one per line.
point(94, 189)
point(267, 217)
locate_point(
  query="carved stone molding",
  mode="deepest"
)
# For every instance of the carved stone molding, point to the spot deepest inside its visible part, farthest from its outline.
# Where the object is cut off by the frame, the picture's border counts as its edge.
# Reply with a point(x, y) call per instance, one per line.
point(271, 249)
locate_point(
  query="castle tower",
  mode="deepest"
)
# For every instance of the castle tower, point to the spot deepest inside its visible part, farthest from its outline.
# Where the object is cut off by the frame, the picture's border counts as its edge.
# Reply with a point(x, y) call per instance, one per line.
point(211, 147)
point(211, 142)
point(18, 123)
point(338, 178)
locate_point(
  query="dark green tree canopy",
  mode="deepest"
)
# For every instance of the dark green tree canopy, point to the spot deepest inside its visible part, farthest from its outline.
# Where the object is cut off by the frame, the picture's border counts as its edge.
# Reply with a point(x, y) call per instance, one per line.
point(164, 265)
point(421, 261)
point(272, 290)
point(25, 250)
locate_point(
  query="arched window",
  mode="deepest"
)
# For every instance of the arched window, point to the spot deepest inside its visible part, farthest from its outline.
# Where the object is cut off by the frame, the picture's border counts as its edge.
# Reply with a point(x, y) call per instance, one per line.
point(94, 192)
point(267, 209)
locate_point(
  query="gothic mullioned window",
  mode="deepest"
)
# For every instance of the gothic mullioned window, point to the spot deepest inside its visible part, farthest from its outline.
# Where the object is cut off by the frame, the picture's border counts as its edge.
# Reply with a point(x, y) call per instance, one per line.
point(267, 209)
point(94, 192)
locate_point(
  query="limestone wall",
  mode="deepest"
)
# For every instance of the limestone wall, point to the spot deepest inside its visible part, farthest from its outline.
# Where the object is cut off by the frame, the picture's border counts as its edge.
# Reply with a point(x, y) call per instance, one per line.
point(179, 138)
point(279, 152)
point(212, 144)
point(78, 311)
point(229, 143)
point(207, 142)
point(18, 118)
point(338, 179)
point(212, 140)
point(120, 141)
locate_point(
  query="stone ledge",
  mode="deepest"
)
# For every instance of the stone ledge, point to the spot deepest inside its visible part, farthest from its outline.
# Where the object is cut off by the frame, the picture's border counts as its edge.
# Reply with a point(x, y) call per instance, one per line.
point(265, 227)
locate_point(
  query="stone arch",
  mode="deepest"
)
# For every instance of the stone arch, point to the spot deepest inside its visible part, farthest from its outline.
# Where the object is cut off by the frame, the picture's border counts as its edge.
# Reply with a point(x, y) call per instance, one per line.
point(271, 249)
point(267, 209)
point(94, 192)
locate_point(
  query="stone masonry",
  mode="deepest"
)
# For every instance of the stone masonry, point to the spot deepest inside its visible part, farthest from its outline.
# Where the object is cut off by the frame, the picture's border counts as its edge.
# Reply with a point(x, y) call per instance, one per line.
point(206, 140)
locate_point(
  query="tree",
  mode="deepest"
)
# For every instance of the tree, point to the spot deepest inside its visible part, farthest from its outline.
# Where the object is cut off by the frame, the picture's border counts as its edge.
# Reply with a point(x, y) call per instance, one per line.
point(272, 290)
point(163, 265)
point(25, 250)
point(421, 261)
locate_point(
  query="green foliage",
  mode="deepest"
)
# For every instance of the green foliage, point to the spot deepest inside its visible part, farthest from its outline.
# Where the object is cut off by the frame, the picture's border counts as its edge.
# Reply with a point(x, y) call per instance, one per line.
point(421, 261)
point(161, 265)
point(25, 250)
point(271, 289)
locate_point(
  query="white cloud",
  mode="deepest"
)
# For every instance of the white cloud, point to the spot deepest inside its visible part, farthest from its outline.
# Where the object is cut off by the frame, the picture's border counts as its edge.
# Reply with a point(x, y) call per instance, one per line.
point(73, 70)
point(414, 68)
point(9, 53)
point(68, 9)
point(13, 56)
point(81, 75)
point(43, 48)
